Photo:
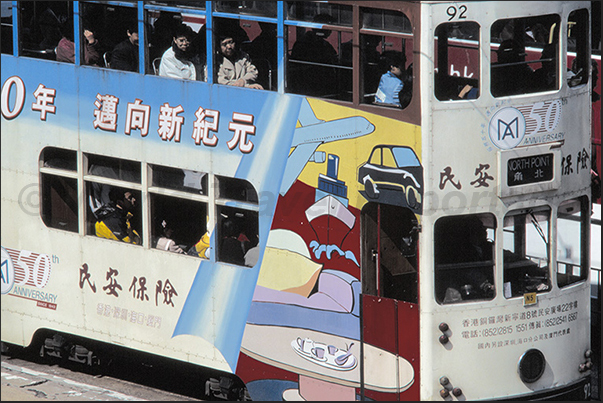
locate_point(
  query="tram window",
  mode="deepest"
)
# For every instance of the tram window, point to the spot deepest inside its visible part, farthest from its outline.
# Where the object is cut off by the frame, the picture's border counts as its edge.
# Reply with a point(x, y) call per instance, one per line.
point(260, 8)
point(464, 258)
point(114, 168)
point(572, 249)
point(457, 61)
point(59, 206)
point(180, 179)
point(526, 252)
point(237, 235)
point(316, 65)
point(177, 224)
point(386, 70)
point(42, 25)
point(192, 4)
point(119, 217)
point(258, 41)
point(161, 28)
point(237, 189)
point(109, 24)
point(577, 43)
point(6, 10)
point(524, 55)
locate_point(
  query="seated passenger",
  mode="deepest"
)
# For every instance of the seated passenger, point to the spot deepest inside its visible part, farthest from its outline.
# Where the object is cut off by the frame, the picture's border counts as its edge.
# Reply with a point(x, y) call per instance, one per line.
point(545, 78)
point(512, 76)
point(125, 53)
point(318, 78)
point(234, 66)
point(114, 218)
point(165, 241)
point(66, 47)
point(176, 61)
point(391, 83)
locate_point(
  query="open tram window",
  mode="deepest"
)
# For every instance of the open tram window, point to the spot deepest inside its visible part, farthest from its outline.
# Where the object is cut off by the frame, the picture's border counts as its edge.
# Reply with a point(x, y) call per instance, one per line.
point(526, 243)
point(572, 246)
point(386, 48)
point(577, 46)
point(6, 10)
point(114, 205)
point(177, 224)
point(116, 30)
point(457, 61)
point(248, 44)
point(42, 26)
point(464, 258)
point(525, 55)
point(59, 205)
point(316, 63)
point(237, 237)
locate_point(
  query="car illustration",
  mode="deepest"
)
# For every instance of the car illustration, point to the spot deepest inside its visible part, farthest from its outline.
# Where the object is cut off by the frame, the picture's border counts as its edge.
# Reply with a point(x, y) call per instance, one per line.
point(393, 175)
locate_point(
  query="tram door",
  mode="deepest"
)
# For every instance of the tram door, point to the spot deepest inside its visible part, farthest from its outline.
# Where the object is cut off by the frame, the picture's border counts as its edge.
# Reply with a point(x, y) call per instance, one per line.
point(390, 316)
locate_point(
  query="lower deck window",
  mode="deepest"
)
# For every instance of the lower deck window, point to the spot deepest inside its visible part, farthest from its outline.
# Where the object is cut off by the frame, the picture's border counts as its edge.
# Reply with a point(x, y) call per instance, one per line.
point(464, 258)
point(526, 252)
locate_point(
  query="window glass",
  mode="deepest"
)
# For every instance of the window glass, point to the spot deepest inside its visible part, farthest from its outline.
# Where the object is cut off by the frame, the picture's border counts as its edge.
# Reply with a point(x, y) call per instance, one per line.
point(237, 236)
point(250, 44)
point(526, 252)
point(571, 245)
point(260, 8)
point(43, 24)
point(180, 179)
point(385, 20)
point(464, 258)
point(308, 12)
point(114, 168)
point(524, 55)
point(577, 46)
point(319, 61)
point(6, 9)
point(59, 158)
point(237, 189)
point(178, 225)
point(177, 3)
point(457, 61)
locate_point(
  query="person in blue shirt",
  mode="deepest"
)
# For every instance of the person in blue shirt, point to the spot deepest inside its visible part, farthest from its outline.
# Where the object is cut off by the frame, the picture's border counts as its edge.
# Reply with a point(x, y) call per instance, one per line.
point(391, 82)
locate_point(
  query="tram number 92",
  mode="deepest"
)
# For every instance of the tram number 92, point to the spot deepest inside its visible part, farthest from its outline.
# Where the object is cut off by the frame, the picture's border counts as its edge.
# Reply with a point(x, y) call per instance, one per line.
point(452, 12)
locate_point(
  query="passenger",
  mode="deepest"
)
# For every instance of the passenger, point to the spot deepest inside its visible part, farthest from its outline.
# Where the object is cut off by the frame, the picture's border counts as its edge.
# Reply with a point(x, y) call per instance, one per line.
point(165, 242)
point(231, 250)
point(313, 47)
point(164, 29)
point(263, 47)
point(114, 218)
point(391, 82)
point(66, 47)
point(176, 60)
point(235, 67)
point(513, 76)
point(545, 78)
point(125, 53)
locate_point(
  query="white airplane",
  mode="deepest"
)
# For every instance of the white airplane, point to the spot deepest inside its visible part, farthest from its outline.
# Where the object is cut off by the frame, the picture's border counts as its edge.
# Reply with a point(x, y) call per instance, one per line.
point(314, 132)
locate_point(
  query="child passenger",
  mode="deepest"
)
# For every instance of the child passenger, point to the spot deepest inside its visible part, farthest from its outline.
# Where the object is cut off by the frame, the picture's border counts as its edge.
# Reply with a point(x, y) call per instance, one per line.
point(391, 82)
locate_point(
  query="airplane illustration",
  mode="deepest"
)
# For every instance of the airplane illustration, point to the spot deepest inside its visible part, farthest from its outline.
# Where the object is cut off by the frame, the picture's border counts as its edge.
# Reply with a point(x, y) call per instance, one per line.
point(314, 132)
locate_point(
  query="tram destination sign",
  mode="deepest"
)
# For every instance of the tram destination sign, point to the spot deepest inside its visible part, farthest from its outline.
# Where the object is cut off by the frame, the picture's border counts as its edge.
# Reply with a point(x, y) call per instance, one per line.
point(530, 169)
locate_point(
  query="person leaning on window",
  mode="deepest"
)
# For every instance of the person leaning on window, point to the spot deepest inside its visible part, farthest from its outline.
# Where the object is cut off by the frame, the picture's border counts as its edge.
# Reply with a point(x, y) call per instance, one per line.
point(235, 67)
point(114, 218)
point(176, 61)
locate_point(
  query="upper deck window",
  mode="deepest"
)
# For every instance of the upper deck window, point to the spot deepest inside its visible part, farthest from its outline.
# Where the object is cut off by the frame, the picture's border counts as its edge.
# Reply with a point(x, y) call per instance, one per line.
point(458, 61)
point(259, 8)
point(525, 55)
point(43, 24)
point(6, 9)
point(572, 242)
point(317, 64)
point(386, 58)
point(577, 46)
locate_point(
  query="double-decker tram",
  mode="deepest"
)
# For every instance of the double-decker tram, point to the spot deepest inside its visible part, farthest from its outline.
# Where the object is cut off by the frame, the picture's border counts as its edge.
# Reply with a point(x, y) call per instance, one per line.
point(330, 200)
